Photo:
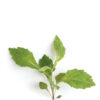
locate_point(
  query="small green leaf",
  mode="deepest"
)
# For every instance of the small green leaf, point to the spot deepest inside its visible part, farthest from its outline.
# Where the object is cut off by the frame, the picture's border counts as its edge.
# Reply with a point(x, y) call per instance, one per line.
point(23, 57)
point(78, 79)
point(59, 96)
point(57, 87)
point(43, 69)
point(46, 70)
point(59, 77)
point(48, 73)
point(59, 48)
point(45, 61)
point(43, 85)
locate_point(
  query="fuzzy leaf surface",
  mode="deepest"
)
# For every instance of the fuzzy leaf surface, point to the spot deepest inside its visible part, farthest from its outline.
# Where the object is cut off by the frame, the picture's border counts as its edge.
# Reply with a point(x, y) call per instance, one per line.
point(46, 61)
point(59, 48)
point(23, 57)
point(78, 79)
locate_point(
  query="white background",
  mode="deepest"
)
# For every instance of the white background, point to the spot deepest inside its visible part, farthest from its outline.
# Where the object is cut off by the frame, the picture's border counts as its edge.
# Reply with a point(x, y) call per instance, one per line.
point(33, 24)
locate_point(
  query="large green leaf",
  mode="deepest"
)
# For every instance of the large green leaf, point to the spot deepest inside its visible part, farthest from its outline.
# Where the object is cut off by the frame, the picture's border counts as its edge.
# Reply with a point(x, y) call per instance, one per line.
point(43, 85)
point(78, 79)
point(23, 57)
point(59, 48)
point(45, 61)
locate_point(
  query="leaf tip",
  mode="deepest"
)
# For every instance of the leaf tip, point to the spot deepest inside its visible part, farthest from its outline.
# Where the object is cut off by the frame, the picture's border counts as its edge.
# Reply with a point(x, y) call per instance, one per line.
point(9, 49)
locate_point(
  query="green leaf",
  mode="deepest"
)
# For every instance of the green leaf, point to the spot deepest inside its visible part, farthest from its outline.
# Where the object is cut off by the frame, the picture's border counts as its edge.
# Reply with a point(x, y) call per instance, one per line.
point(23, 57)
point(57, 87)
point(59, 77)
point(46, 70)
point(45, 61)
point(43, 85)
point(48, 73)
point(59, 96)
point(78, 79)
point(59, 48)
point(43, 69)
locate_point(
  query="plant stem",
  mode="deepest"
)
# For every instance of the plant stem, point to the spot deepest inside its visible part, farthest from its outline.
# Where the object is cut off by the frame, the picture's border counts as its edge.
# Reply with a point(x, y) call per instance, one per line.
point(53, 95)
point(52, 89)
point(55, 63)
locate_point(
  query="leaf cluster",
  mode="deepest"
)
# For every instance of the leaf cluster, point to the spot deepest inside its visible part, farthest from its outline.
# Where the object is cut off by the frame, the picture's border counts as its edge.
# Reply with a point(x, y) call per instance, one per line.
point(75, 78)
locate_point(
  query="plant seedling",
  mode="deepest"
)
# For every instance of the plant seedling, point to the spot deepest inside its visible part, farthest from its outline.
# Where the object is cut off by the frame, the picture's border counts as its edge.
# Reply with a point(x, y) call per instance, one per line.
point(75, 78)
